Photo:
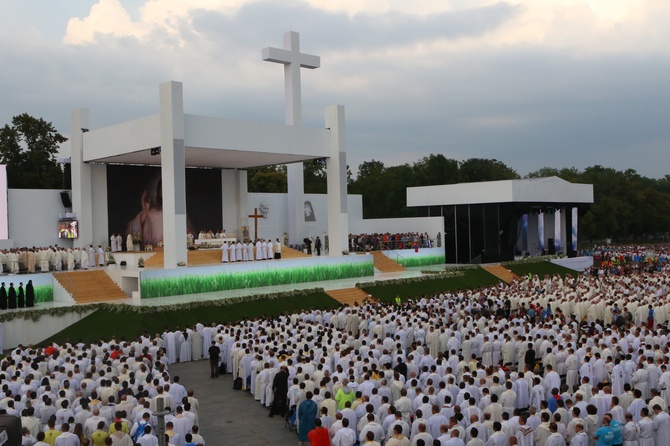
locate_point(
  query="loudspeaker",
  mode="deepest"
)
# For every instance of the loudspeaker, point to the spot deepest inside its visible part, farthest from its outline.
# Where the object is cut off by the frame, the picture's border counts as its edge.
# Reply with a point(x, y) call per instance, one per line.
point(65, 198)
point(551, 247)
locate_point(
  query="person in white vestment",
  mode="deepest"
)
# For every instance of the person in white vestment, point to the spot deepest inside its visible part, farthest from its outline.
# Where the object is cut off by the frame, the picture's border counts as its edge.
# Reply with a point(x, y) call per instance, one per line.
point(101, 256)
point(119, 243)
point(630, 431)
point(224, 252)
point(661, 426)
point(185, 352)
point(555, 439)
point(66, 438)
point(129, 243)
point(497, 438)
point(112, 242)
point(91, 256)
point(580, 438)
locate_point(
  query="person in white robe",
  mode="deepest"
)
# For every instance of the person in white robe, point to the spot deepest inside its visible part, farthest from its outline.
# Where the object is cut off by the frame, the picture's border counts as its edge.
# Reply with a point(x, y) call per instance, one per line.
point(646, 435)
point(555, 439)
point(129, 243)
point(250, 252)
point(112, 243)
point(271, 255)
point(196, 344)
point(224, 252)
point(264, 250)
point(231, 253)
point(119, 243)
point(259, 254)
point(91, 256)
point(244, 252)
point(101, 256)
point(185, 351)
point(238, 254)
point(630, 431)
point(661, 425)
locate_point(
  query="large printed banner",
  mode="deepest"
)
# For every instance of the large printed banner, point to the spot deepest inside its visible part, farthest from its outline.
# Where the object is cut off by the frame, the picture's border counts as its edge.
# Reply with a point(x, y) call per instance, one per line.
point(135, 201)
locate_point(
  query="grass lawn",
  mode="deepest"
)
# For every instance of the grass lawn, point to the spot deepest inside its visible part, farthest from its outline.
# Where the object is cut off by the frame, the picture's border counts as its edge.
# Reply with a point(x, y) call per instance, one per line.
point(105, 324)
point(540, 268)
point(473, 278)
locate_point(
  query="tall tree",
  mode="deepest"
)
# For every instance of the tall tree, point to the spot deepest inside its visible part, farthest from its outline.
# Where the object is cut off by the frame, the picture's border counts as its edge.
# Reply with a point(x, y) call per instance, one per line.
point(28, 147)
point(270, 179)
point(480, 169)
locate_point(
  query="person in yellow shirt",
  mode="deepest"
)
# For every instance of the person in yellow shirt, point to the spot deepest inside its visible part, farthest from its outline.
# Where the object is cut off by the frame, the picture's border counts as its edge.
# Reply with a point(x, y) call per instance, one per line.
point(99, 435)
point(51, 433)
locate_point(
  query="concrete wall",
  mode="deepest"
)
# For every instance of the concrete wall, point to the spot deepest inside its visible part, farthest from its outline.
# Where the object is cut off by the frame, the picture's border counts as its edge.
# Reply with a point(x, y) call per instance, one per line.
point(33, 217)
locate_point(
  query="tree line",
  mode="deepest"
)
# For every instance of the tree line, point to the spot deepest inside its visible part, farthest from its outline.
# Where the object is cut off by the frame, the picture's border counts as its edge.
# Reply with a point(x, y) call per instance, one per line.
point(626, 204)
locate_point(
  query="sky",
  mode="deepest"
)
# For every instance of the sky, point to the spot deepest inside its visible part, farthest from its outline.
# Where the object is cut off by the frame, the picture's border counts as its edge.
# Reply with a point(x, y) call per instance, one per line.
point(531, 83)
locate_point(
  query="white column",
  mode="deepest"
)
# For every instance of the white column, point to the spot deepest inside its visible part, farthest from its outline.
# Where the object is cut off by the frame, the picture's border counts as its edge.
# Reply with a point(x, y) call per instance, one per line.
point(338, 218)
point(242, 202)
point(82, 203)
point(173, 165)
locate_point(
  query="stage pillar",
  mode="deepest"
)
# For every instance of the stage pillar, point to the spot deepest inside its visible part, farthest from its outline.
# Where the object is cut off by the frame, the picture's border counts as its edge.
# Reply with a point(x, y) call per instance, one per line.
point(338, 218)
point(173, 173)
point(242, 200)
point(82, 202)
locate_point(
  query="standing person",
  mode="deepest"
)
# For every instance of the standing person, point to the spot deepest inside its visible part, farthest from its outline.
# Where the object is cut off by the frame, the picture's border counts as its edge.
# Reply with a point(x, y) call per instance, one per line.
point(66, 438)
point(91, 256)
point(11, 299)
point(101, 256)
point(3, 297)
point(280, 391)
point(21, 298)
point(30, 294)
point(129, 242)
point(317, 245)
point(319, 435)
point(112, 243)
point(277, 249)
point(214, 355)
point(307, 413)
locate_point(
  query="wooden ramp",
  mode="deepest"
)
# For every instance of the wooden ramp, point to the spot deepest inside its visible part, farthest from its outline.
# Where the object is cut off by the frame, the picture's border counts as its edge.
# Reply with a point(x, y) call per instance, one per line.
point(90, 286)
point(385, 264)
point(500, 272)
point(349, 296)
point(290, 253)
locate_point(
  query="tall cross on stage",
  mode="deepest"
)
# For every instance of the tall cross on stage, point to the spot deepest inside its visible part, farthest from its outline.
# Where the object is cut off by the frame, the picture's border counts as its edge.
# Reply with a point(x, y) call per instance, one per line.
point(293, 60)
point(256, 216)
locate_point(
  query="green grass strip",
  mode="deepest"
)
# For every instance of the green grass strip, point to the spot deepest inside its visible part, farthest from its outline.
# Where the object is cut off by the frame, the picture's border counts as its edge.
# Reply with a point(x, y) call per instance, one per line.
point(420, 260)
point(194, 284)
point(44, 293)
point(539, 268)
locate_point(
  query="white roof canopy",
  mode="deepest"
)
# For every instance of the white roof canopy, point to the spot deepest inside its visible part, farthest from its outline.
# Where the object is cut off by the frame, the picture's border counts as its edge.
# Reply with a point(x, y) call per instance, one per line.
point(209, 142)
point(537, 190)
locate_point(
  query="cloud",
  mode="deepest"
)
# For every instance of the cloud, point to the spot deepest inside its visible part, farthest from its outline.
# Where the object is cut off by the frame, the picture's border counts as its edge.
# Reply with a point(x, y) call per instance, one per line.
point(556, 82)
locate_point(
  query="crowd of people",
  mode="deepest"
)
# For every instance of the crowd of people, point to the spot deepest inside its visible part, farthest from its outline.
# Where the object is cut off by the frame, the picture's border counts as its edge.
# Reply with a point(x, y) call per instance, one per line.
point(51, 258)
point(384, 241)
point(542, 361)
point(105, 393)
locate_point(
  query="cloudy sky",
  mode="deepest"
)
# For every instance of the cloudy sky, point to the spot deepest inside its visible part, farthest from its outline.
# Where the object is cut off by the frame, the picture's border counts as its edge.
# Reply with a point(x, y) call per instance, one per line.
point(531, 83)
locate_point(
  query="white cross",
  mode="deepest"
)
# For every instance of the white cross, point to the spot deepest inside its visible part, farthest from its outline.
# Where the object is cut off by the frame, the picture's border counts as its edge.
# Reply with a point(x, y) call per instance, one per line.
point(293, 60)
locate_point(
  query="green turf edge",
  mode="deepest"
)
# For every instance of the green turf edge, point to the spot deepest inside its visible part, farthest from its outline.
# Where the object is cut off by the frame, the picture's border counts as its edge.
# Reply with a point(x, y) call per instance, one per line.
point(103, 324)
point(540, 268)
point(470, 279)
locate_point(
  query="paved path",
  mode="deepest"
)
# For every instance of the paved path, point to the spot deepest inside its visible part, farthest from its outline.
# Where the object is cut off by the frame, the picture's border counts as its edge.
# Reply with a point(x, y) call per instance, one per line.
point(230, 416)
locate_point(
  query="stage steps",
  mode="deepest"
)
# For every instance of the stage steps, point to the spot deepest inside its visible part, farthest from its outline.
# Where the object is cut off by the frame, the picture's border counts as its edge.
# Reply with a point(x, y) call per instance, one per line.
point(349, 296)
point(90, 286)
point(385, 264)
point(500, 272)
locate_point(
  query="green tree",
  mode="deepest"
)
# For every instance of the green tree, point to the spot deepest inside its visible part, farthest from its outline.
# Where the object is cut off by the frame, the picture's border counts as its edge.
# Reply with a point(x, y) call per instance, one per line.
point(435, 170)
point(270, 179)
point(316, 181)
point(28, 147)
point(480, 169)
